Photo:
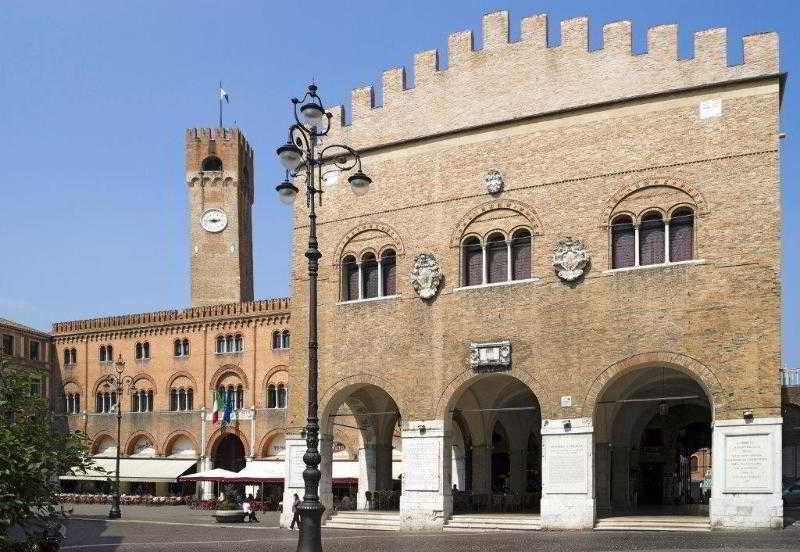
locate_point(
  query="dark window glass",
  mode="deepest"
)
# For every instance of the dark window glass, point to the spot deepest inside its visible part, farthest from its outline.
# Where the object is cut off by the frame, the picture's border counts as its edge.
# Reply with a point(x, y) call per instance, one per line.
point(173, 399)
point(285, 341)
point(220, 344)
point(212, 163)
point(276, 339)
point(146, 349)
point(178, 350)
point(109, 353)
point(8, 344)
point(239, 397)
point(66, 356)
point(150, 401)
point(135, 402)
point(239, 343)
point(623, 243)
point(34, 350)
point(98, 406)
point(369, 270)
point(138, 350)
point(473, 262)
point(229, 344)
point(681, 235)
point(521, 255)
point(350, 277)
point(281, 396)
point(651, 240)
point(389, 268)
point(271, 397)
point(497, 258)
point(182, 399)
point(190, 399)
point(77, 403)
point(185, 347)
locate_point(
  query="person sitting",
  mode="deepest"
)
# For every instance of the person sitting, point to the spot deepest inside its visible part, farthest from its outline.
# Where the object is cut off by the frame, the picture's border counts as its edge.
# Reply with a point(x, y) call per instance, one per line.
point(347, 503)
point(249, 511)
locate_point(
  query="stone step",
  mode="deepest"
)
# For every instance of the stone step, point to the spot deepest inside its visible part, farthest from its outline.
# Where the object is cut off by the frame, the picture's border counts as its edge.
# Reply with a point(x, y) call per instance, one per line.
point(676, 528)
point(359, 514)
point(653, 523)
point(360, 526)
point(476, 523)
point(364, 520)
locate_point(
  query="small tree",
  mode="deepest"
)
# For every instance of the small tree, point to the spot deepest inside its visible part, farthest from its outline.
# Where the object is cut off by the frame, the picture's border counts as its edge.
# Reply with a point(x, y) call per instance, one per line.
point(35, 448)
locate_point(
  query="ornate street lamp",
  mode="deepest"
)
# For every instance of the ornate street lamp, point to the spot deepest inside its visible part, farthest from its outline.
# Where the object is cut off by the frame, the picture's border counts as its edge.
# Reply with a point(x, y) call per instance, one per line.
point(118, 383)
point(299, 154)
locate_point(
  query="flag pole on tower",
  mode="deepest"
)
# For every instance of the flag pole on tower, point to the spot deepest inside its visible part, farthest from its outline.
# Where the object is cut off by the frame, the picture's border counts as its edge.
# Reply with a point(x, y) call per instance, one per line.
point(222, 96)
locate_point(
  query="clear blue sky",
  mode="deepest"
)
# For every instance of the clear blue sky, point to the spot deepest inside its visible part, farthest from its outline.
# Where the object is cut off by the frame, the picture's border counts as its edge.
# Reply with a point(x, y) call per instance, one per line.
point(96, 96)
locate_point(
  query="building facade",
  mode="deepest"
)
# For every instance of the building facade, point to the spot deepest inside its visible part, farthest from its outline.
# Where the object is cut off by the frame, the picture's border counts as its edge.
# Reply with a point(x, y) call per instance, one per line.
point(564, 281)
point(30, 350)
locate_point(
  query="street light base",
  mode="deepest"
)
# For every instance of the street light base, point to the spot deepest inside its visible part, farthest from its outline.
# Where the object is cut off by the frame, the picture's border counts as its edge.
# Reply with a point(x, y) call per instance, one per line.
point(114, 513)
point(310, 538)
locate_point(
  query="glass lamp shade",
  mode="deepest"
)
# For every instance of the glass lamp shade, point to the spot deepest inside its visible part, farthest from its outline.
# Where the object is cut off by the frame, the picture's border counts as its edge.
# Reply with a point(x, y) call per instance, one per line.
point(359, 182)
point(286, 192)
point(290, 156)
point(312, 114)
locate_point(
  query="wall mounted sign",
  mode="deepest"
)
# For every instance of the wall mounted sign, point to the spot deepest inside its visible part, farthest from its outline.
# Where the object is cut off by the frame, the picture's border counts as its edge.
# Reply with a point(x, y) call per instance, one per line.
point(490, 357)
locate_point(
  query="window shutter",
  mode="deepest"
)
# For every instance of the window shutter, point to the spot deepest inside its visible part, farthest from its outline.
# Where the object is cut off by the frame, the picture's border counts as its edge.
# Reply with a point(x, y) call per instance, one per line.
point(473, 265)
point(651, 242)
point(521, 258)
point(497, 261)
point(352, 282)
point(623, 245)
point(370, 269)
point(681, 238)
point(389, 269)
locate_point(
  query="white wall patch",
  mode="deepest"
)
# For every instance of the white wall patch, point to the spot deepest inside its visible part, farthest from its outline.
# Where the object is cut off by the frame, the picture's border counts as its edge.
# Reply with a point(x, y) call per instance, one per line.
point(710, 108)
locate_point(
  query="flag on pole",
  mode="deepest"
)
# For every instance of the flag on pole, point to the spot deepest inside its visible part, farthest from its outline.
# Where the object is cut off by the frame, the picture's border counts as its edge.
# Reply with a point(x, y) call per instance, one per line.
point(218, 399)
point(223, 95)
point(226, 417)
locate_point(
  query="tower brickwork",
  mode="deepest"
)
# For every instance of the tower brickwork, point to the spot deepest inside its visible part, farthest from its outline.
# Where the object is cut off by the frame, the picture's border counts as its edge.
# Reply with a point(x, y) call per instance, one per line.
point(219, 175)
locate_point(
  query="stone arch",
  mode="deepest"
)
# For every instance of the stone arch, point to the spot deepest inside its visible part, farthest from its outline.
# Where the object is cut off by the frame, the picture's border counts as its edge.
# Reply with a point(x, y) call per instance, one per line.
point(465, 379)
point(99, 438)
point(228, 369)
point(353, 381)
point(72, 381)
point(693, 368)
point(271, 372)
point(181, 374)
point(217, 436)
point(382, 227)
point(138, 435)
point(267, 439)
point(147, 377)
point(170, 439)
point(628, 189)
point(511, 204)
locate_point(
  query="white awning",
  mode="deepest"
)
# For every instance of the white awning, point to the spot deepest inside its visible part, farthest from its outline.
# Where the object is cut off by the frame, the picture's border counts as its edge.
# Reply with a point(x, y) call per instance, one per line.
point(262, 470)
point(347, 469)
point(136, 469)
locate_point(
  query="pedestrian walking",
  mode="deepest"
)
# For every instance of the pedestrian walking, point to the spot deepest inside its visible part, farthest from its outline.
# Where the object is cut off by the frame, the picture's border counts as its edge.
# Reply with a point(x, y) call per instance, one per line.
point(295, 512)
point(249, 511)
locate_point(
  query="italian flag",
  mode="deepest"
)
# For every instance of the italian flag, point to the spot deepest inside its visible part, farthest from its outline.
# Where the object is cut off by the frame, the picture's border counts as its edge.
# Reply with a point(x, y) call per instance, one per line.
point(219, 405)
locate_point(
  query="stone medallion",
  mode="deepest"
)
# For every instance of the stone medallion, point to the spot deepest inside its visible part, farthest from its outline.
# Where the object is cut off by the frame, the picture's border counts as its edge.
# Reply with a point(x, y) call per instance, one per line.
point(570, 259)
point(426, 275)
point(494, 182)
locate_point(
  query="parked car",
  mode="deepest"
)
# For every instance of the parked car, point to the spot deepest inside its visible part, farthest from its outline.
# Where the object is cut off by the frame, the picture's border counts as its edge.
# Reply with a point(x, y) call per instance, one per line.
point(791, 495)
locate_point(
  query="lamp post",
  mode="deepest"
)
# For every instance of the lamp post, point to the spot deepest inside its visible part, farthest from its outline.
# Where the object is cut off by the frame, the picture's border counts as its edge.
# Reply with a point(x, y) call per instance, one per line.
point(298, 154)
point(118, 382)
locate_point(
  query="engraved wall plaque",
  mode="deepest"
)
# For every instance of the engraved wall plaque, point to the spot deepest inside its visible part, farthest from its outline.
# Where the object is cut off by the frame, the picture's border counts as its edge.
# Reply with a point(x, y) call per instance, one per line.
point(567, 465)
point(296, 466)
point(422, 460)
point(748, 463)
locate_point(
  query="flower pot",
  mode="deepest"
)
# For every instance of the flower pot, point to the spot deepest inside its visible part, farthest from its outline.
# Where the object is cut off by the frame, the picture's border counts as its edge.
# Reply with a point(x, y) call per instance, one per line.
point(229, 516)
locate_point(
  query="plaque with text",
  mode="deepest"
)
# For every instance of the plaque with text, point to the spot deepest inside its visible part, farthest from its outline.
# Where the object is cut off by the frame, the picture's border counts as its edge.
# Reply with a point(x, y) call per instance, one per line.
point(296, 466)
point(567, 466)
point(422, 460)
point(748, 463)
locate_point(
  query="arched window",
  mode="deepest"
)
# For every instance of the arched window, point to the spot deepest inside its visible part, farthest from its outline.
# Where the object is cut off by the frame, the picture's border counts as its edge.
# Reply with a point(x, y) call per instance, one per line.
point(106, 353)
point(146, 349)
point(651, 239)
point(349, 279)
point(229, 344)
point(135, 402)
point(238, 343)
point(472, 259)
point(212, 163)
point(149, 400)
point(73, 356)
point(178, 350)
point(185, 345)
point(220, 344)
point(623, 242)
point(369, 276)
point(272, 399)
point(388, 272)
point(276, 339)
point(496, 259)
point(138, 351)
point(66, 356)
point(281, 396)
point(239, 397)
point(73, 403)
point(681, 235)
point(181, 399)
point(190, 399)
point(521, 255)
point(285, 339)
point(173, 399)
point(105, 402)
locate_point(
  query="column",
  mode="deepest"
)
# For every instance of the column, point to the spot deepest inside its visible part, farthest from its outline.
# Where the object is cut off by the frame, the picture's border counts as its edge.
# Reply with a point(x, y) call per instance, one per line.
point(508, 264)
point(481, 469)
point(360, 281)
point(636, 244)
point(666, 241)
point(427, 500)
point(367, 461)
point(567, 474)
point(293, 475)
point(484, 266)
point(746, 486)
point(206, 487)
point(326, 470)
point(380, 278)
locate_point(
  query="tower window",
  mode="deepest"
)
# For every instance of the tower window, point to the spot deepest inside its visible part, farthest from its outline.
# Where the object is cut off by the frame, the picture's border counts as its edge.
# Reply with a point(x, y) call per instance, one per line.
point(212, 163)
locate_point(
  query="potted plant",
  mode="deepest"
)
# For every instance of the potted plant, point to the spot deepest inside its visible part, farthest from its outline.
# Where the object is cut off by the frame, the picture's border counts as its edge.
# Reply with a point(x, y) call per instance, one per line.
point(229, 510)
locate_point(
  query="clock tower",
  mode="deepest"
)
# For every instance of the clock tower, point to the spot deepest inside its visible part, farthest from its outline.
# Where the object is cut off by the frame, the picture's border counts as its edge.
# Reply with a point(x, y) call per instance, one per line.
point(219, 176)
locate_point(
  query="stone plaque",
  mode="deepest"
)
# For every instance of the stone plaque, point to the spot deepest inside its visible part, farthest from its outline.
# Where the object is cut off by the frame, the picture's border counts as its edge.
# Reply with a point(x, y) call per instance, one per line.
point(567, 460)
point(421, 463)
point(710, 108)
point(296, 466)
point(748, 463)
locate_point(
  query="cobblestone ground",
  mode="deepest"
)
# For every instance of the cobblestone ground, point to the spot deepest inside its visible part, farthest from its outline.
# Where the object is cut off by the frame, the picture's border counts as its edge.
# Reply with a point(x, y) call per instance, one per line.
point(161, 529)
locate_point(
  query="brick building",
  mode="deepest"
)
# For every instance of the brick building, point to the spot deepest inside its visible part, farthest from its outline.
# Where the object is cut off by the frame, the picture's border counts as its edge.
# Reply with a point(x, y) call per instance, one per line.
point(562, 284)
point(30, 350)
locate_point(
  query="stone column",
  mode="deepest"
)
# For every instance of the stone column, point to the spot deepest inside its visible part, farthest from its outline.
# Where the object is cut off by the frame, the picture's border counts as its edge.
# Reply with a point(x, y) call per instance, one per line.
point(567, 474)
point(383, 467)
point(746, 485)
point(367, 461)
point(427, 501)
point(481, 469)
point(326, 470)
point(293, 475)
point(206, 487)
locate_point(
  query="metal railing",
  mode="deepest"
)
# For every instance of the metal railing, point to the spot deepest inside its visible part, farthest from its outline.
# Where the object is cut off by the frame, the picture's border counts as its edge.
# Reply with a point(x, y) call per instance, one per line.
point(468, 502)
point(790, 378)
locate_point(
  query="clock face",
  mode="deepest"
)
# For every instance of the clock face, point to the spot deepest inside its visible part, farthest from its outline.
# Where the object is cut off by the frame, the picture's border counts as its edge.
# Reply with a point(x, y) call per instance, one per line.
point(214, 220)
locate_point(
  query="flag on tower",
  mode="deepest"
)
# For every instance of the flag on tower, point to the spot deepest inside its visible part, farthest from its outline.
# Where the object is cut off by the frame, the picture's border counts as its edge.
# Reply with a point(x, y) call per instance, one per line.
point(223, 95)
point(219, 398)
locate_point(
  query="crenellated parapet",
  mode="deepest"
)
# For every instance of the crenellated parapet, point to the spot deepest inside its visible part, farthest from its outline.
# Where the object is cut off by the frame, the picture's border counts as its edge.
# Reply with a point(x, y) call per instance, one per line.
point(278, 308)
point(506, 80)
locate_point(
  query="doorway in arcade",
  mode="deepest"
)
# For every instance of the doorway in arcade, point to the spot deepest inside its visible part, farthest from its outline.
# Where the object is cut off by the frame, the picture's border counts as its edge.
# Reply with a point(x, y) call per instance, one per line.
point(496, 446)
point(653, 444)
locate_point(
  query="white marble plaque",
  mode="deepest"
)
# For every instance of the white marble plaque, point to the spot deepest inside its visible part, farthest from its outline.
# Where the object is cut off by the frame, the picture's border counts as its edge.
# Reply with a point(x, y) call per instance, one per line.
point(710, 108)
point(748, 463)
point(422, 461)
point(567, 461)
point(296, 466)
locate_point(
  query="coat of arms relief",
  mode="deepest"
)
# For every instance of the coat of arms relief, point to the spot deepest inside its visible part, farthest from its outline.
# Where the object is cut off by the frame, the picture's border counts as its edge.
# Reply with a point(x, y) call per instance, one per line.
point(570, 259)
point(426, 275)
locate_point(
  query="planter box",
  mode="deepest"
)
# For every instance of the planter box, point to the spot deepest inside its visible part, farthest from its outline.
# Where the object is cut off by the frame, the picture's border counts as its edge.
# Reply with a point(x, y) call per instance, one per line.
point(229, 516)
